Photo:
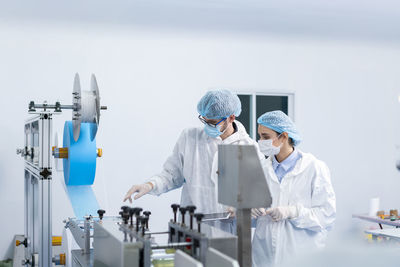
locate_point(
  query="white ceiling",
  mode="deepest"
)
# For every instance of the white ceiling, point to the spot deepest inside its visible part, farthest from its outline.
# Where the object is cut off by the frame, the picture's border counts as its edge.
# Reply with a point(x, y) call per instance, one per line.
point(348, 19)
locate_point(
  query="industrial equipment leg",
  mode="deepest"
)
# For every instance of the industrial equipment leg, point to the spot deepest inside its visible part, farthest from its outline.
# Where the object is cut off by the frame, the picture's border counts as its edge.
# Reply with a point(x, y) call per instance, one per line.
point(244, 236)
point(45, 184)
point(27, 208)
point(45, 249)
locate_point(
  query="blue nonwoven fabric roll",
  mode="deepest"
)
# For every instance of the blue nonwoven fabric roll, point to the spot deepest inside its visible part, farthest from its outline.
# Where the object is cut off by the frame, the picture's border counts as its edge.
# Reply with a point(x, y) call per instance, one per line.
point(83, 200)
point(80, 169)
point(80, 166)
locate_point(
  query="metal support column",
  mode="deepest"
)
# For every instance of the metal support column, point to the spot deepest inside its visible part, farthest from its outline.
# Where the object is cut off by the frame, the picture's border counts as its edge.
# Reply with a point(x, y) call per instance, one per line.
point(45, 187)
point(244, 236)
point(27, 208)
point(45, 249)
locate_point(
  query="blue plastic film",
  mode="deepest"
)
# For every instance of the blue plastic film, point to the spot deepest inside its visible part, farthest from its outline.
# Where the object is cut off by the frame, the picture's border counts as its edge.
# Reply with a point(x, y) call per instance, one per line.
point(80, 166)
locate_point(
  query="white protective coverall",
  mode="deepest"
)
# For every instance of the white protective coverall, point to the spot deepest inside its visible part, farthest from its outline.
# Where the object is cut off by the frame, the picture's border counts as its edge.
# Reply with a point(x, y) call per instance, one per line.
point(308, 187)
point(193, 165)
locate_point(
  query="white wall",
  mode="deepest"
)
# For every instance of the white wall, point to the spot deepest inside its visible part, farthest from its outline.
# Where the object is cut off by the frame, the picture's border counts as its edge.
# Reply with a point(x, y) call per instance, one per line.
point(345, 105)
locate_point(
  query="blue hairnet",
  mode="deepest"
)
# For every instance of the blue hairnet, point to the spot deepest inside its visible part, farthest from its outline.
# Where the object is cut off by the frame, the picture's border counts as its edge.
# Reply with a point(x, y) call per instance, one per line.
point(219, 104)
point(280, 122)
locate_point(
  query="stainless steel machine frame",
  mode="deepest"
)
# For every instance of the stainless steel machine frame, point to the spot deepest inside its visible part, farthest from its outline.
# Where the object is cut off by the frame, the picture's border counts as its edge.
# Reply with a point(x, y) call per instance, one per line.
point(209, 236)
point(116, 244)
point(38, 186)
point(119, 244)
point(242, 184)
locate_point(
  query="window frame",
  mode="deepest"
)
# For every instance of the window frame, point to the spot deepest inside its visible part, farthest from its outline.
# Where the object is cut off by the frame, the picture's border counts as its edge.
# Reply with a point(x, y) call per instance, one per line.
point(254, 94)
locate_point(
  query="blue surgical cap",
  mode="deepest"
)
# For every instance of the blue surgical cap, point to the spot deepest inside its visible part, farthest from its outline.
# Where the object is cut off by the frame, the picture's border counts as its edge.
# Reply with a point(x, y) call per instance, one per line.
point(280, 122)
point(219, 104)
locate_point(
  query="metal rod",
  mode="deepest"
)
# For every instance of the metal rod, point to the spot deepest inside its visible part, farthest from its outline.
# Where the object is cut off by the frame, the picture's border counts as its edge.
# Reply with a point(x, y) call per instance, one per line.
point(172, 245)
point(158, 233)
point(67, 106)
point(137, 224)
point(51, 106)
point(87, 236)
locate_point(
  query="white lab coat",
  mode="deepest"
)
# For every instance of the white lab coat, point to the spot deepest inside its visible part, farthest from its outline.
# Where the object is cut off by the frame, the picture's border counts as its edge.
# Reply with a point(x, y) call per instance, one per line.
point(193, 165)
point(308, 186)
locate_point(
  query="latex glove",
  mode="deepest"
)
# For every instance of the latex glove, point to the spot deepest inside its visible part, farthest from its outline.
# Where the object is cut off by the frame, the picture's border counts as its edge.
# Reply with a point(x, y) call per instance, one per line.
point(258, 212)
point(282, 213)
point(232, 212)
point(141, 190)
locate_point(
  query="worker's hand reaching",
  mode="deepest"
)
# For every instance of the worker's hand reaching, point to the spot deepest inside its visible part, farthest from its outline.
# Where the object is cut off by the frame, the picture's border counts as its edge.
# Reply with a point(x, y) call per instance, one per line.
point(232, 212)
point(141, 190)
point(282, 213)
point(257, 212)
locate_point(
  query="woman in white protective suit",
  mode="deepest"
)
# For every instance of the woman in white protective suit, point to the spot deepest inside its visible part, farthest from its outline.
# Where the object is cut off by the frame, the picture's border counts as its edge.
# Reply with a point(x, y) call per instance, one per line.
point(303, 201)
point(193, 163)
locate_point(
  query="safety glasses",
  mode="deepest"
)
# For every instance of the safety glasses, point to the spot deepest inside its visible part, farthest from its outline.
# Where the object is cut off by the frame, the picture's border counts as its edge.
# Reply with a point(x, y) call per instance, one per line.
point(210, 124)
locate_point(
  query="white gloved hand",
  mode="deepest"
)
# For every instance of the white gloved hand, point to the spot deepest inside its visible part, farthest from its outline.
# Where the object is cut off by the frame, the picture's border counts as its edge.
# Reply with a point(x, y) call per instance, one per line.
point(258, 212)
point(141, 190)
point(232, 212)
point(282, 213)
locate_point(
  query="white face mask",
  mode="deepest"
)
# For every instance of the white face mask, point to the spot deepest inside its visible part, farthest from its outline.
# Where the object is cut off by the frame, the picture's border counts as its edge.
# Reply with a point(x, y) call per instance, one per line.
point(267, 148)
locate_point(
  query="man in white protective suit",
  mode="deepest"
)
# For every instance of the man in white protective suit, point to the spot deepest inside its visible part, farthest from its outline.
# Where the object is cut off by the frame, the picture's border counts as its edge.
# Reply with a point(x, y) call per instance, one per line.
point(303, 206)
point(194, 160)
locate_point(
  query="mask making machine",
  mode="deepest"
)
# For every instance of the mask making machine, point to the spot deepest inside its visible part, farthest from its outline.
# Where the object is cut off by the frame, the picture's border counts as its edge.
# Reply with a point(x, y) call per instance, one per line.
point(37, 153)
point(126, 240)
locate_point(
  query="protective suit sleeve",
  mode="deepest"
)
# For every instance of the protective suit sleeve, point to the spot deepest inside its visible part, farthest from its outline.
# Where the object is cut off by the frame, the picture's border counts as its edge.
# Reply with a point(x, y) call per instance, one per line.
point(171, 177)
point(322, 213)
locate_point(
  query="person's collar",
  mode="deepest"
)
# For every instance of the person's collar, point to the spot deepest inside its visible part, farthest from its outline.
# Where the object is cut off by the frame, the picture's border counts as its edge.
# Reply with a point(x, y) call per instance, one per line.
point(235, 128)
point(234, 137)
point(287, 163)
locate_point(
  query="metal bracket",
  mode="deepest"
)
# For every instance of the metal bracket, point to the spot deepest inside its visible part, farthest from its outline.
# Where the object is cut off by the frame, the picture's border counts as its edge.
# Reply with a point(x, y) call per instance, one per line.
point(45, 174)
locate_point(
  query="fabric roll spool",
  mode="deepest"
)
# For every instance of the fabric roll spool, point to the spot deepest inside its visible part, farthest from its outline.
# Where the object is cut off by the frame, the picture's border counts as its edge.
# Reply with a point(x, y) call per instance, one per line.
point(80, 168)
point(88, 106)
point(89, 112)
